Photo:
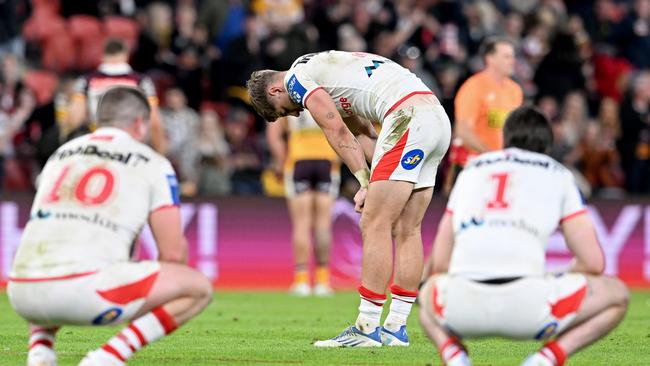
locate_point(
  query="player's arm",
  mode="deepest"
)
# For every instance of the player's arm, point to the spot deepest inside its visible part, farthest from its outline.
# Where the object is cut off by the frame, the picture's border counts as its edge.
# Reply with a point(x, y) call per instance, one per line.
point(275, 137)
point(165, 224)
point(157, 129)
point(442, 248)
point(364, 132)
point(581, 239)
point(467, 108)
point(324, 111)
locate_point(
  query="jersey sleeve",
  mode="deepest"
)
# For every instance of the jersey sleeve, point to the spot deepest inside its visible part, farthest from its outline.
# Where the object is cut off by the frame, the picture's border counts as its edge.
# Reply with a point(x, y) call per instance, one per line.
point(300, 85)
point(467, 103)
point(573, 204)
point(164, 187)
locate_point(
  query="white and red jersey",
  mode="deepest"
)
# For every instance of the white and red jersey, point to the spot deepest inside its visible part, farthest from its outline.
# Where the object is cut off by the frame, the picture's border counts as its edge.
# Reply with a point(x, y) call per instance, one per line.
point(504, 207)
point(362, 84)
point(94, 196)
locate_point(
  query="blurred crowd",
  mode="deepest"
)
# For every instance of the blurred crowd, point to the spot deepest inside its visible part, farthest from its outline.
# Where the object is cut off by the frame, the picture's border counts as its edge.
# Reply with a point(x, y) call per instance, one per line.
point(585, 64)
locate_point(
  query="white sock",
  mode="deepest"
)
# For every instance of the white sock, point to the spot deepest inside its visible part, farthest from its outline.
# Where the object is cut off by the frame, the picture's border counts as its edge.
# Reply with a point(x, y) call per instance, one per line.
point(400, 307)
point(144, 330)
point(370, 308)
point(452, 352)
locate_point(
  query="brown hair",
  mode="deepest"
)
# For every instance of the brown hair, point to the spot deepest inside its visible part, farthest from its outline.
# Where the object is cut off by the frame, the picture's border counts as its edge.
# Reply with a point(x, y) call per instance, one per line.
point(120, 105)
point(257, 86)
point(489, 45)
point(114, 46)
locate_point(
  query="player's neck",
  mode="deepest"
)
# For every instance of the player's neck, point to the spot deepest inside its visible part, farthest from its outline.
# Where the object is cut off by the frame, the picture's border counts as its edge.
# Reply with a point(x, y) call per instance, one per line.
point(495, 75)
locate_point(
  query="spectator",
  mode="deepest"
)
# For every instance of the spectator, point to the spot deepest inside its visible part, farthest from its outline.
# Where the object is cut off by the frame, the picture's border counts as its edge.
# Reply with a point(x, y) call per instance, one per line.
point(182, 131)
point(12, 14)
point(17, 103)
point(214, 170)
point(634, 144)
point(245, 157)
point(633, 35)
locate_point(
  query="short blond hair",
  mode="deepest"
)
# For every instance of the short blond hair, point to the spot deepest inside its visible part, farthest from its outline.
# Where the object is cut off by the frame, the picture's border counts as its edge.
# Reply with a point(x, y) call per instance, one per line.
point(257, 86)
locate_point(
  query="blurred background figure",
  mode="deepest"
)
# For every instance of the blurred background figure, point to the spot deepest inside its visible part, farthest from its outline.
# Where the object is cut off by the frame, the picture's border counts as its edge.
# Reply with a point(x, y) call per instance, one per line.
point(311, 173)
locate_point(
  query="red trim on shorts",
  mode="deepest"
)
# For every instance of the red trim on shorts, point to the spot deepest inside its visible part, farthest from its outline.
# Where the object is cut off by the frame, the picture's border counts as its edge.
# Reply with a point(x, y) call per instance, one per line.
point(164, 207)
point(399, 291)
point(304, 100)
point(53, 278)
point(437, 308)
point(389, 162)
point(123, 295)
point(101, 137)
point(558, 352)
point(113, 352)
point(167, 321)
point(138, 334)
point(569, 304)
point(42, 342)
point(407, 96)
point(570, 216)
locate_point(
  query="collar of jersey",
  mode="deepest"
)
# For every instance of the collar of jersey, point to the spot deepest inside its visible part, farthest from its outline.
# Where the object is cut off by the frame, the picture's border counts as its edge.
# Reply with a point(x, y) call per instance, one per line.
point(115, 69)
point(114, 131)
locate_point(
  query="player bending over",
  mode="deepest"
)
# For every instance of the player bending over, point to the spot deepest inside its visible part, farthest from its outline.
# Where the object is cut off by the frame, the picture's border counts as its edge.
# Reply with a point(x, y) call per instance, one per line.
point(488, 255)
point(72, 267)
point(344, 91)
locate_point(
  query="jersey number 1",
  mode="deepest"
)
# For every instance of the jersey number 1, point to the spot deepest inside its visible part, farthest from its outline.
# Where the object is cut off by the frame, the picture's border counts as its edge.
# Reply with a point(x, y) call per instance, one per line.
point(498, 202)
point(81, 189)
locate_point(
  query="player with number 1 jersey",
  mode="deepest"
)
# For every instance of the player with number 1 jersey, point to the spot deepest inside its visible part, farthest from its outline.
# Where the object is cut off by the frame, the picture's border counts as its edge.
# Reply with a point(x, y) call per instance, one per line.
point(346, 92)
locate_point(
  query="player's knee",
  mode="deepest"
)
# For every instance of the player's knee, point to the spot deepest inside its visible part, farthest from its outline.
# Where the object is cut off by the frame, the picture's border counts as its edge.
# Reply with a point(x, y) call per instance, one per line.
point(619, 292)
point(402, 231)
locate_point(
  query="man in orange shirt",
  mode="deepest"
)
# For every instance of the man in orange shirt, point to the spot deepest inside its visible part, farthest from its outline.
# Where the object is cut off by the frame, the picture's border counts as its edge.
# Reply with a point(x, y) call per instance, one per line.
point(482, 104)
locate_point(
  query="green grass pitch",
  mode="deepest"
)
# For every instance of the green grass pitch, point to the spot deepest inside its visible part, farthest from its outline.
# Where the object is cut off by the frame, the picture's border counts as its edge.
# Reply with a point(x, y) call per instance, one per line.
point(276, 329)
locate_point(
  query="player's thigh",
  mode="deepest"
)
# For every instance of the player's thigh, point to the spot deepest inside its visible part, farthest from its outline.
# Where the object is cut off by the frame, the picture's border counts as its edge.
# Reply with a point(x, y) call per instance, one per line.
point(602, 293)
point(435, 142)
point(385, 201)
point(301, 209)
point(176, 281)
point(410, 220)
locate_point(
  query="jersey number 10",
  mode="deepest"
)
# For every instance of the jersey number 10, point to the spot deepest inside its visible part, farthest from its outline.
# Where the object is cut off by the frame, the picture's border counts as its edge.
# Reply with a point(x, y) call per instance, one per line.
point(81, 193)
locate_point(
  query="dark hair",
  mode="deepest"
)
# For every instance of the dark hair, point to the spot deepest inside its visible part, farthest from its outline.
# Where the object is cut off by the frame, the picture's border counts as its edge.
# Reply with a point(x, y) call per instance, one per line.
point(113, 46)
point(528, 129)
point(120, 105)
point(489, 45)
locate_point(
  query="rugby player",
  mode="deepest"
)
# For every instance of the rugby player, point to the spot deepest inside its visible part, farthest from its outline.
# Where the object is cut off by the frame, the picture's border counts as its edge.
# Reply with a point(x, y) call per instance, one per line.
point(488, 256)
point(344, 92)
point(73, 265)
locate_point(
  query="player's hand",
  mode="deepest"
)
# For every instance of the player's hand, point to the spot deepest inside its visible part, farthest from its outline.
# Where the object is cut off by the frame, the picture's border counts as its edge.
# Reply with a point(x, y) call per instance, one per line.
point(360, 199)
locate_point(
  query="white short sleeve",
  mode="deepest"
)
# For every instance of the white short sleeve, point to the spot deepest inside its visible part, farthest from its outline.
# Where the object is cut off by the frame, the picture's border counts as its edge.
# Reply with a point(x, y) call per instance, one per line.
point(165, 188)
point(572, 204)
point(300, 85)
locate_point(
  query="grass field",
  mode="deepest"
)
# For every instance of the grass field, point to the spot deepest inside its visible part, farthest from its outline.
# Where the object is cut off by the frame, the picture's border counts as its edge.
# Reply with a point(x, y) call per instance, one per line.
point(275, 329)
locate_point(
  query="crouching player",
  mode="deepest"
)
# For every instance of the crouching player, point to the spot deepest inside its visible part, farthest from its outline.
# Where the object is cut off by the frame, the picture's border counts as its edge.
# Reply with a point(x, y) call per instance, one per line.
point(72, 266)
point(488, 256)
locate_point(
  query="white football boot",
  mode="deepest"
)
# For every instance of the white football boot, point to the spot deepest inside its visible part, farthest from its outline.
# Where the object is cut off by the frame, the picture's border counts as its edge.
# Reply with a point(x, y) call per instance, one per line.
point(300, 290)
point(41, 355)
point(323, 290)
point(352, 337)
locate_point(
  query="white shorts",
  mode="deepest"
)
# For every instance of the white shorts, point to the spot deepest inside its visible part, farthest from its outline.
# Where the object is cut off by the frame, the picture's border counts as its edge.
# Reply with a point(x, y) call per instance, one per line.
point(109, 296)
point(412, 142)
point(527, 308)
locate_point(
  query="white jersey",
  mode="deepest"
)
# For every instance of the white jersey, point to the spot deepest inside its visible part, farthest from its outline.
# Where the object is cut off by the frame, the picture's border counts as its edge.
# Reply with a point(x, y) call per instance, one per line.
point(359, 83)
point(504, 207)
point(95, 194)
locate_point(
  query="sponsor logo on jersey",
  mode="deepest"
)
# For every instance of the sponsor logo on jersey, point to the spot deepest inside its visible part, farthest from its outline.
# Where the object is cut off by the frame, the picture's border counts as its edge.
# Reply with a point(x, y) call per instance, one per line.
point(94, 219)
point(412, 159)
point(473, 222)
point(107, 316)
point(94, 150)
point(173, 187)
point(547, 332)
point(346, 106)
point(296, 90)
point(41, 214)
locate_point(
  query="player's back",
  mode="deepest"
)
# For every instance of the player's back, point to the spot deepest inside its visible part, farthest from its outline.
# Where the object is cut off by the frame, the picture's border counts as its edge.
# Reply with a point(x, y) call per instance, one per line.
point(94, 196)
point(505, 205)
point(359, 83)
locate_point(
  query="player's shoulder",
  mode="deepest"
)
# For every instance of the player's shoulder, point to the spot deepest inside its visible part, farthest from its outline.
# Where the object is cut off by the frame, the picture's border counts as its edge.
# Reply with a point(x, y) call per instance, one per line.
point(517, 157)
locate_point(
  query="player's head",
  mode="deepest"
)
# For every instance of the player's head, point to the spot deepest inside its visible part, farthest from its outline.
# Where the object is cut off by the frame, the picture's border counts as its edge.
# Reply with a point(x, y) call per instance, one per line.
point(499, 55)
point(269, 95)
point(528, 129)
point(126, 108)
point(115, 50)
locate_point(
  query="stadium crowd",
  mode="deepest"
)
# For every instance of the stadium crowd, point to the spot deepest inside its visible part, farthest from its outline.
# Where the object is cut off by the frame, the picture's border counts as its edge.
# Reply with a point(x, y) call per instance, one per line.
point(585, 64)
